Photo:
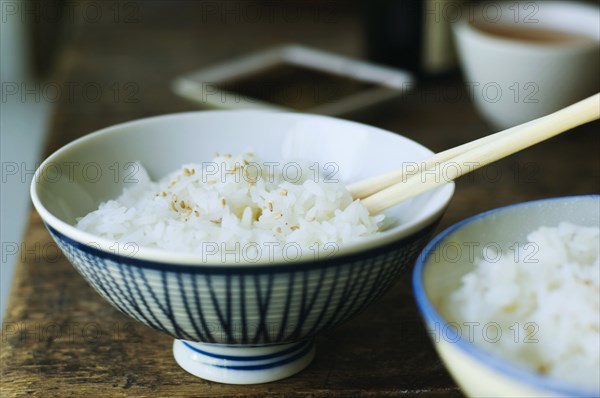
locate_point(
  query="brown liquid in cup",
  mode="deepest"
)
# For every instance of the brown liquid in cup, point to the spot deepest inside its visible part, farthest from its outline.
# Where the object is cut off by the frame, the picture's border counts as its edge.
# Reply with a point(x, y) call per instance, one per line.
point(534, 34)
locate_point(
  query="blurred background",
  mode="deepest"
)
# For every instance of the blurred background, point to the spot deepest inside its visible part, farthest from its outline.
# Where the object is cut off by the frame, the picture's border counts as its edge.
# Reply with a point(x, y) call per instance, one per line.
point(23, 123)
point(126, 45)
point(71, 67)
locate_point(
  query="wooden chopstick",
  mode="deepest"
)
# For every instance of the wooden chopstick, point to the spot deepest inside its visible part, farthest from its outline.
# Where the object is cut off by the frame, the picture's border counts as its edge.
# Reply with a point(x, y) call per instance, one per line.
point(453, 163)
point(368, 186)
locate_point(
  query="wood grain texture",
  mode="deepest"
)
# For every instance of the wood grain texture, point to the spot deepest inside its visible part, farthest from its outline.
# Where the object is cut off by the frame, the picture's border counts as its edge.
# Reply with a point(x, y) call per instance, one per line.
point(60, 339)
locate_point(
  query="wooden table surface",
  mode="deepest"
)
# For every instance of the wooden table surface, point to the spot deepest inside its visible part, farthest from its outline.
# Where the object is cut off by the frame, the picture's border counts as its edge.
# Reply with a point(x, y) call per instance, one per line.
point(60, 339)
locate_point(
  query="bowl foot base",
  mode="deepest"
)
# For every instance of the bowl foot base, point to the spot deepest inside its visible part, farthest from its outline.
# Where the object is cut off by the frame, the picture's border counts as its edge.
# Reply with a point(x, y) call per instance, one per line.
point(243, 364)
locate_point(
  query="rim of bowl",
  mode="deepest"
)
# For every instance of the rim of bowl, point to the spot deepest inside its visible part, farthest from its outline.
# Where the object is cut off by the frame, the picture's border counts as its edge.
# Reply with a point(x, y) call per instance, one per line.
point(466, 24)
point(507, 368)
point(371, 243)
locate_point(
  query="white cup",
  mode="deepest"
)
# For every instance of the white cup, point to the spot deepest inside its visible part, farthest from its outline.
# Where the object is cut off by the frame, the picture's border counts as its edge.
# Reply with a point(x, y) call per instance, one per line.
point(513, 79)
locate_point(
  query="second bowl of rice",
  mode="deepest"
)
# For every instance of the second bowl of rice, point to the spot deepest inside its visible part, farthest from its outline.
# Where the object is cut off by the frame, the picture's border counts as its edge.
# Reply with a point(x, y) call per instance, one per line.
point(511, 299)
point(232, 230)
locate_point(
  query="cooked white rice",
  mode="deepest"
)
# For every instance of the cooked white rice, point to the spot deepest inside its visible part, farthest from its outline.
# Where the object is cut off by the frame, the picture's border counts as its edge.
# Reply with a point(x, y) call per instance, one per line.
point(547, 304)
point(235, 209)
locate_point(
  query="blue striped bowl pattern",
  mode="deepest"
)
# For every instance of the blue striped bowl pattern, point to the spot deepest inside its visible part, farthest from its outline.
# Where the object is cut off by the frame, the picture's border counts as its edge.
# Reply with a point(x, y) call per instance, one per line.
point(246, 365)
point(271, 304)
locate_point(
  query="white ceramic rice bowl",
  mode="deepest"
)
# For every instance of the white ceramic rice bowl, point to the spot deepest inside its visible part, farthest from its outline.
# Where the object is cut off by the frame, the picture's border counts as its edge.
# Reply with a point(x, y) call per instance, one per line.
point(234, 321)
point(438, 273)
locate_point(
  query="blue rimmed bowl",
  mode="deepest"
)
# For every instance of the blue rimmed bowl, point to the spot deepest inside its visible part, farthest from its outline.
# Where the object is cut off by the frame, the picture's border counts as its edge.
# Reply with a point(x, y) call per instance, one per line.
point(450, 255)
point(233, 321)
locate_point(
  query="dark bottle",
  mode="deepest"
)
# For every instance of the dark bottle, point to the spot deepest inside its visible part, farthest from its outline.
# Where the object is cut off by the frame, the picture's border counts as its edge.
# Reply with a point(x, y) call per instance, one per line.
point(413, 35)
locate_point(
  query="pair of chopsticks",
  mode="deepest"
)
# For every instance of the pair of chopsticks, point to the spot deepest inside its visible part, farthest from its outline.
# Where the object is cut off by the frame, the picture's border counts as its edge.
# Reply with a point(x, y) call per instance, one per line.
point(389, 189)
